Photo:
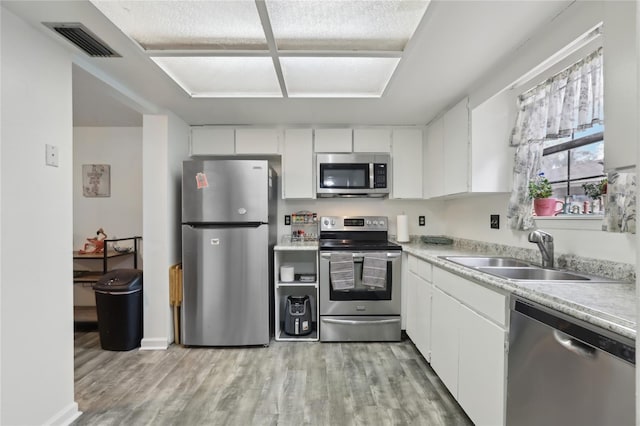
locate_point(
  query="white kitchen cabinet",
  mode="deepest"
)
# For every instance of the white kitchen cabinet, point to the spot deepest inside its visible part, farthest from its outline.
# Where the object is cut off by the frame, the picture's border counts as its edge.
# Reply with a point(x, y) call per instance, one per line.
point(212, 140)
point(620, 83)
point(258, 141)
point(433, 183)
point(491, 162)
point(333, 140)
point(406, 159)
point(445, 340)
point(456, 148)
point(371, 140)
point(418, 325)
point(304, 260)
point(481, 369)
point(468, 345)
point(297, 164)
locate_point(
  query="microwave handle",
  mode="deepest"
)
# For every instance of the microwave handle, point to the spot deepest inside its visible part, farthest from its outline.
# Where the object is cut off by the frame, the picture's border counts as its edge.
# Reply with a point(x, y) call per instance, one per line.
point(372, 182)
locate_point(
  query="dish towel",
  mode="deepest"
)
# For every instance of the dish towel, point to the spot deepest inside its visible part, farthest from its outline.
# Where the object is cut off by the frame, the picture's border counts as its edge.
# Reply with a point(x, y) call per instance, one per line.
point(341, 267)
point(374, 270)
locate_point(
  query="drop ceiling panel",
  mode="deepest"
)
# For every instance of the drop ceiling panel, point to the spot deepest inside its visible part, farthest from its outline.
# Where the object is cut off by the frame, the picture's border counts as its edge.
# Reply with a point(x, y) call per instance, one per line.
point(173, 25)
point(344, 25)
point(337, 77)
point(223, 76)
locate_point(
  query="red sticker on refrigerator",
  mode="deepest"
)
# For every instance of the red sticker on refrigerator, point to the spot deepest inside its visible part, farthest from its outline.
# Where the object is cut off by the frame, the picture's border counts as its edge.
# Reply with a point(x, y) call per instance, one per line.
point(201, 180)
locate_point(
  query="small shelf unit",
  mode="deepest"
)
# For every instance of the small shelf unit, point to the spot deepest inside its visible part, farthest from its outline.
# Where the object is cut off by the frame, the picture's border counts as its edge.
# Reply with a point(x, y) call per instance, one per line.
point(304, 259)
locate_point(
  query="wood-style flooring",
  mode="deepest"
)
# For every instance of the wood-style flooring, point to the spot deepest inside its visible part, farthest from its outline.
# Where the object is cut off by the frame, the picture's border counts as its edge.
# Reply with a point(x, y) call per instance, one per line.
point(288, 383)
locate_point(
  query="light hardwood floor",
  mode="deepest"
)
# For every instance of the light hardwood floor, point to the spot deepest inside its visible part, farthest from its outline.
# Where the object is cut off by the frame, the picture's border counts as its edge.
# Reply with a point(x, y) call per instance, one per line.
point(288, 383)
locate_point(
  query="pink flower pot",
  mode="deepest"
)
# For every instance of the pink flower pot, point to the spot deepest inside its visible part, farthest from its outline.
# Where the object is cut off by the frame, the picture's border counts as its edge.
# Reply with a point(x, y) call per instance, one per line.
point(547, 206)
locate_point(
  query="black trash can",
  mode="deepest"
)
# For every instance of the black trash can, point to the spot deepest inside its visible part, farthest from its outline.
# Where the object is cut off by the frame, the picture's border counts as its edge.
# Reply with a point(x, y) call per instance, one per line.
point(119, 308)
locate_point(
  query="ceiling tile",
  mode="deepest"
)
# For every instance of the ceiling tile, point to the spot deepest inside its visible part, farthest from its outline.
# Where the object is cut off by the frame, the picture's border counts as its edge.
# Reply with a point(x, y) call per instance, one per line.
point(337, 77)
point(223, 76)
point(162, 25)
point(385, 25)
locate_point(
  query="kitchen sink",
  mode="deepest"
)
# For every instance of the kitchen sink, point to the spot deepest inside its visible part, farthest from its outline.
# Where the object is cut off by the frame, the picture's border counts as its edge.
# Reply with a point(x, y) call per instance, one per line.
point(479, 261)
point(533, 274)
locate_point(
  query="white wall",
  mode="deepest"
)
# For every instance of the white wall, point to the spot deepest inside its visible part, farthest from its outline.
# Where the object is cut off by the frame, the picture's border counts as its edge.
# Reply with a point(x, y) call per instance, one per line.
point(165, 143)
point(35, 250)
point(120, 214)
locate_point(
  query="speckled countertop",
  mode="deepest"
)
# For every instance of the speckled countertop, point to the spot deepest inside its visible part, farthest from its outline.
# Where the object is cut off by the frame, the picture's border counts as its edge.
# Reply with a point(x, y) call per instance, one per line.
point(295, 246)
point(610, 305)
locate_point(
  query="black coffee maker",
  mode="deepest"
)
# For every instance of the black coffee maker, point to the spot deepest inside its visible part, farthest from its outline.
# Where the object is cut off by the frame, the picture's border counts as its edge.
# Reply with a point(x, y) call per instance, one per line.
point(297, 316)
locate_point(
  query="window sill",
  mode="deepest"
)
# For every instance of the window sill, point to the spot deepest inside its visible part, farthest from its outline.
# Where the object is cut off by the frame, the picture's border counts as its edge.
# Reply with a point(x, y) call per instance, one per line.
point(574, 221)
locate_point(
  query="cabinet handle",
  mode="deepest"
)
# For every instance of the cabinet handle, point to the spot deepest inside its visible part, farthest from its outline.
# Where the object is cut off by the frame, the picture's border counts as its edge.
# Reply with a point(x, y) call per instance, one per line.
point(360, 322)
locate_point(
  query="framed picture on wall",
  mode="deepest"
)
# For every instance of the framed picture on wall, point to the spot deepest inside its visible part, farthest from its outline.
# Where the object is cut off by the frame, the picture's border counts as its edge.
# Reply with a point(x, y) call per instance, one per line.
point(96, 180)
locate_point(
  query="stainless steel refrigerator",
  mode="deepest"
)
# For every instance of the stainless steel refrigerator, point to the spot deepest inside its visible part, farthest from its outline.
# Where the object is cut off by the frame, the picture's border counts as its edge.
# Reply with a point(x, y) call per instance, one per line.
point(228, 234)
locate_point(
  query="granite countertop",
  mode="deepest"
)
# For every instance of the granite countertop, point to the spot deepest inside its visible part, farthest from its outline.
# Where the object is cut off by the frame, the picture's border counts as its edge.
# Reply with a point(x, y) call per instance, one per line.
point(295, 246)
point(610, 305)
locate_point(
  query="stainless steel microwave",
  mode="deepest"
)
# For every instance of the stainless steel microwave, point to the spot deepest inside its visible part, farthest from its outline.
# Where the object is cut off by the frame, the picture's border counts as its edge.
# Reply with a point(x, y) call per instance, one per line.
point(353, 175)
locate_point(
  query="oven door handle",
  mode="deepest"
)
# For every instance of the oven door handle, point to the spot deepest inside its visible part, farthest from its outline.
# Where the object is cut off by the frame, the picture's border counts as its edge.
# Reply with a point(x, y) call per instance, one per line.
point(327, 255)
point(360, 322)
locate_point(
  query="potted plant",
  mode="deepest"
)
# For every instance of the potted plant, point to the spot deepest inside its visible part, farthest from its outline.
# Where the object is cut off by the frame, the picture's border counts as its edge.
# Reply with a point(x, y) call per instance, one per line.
point(596, 192)
point(540, 190)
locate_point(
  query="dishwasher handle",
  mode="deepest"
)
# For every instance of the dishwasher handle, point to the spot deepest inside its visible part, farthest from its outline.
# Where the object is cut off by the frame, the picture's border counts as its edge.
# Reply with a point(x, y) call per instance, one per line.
point(573, 345)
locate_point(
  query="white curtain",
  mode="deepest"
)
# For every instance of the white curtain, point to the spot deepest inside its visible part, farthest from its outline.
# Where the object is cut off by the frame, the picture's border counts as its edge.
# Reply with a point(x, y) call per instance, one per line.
point(569, 101)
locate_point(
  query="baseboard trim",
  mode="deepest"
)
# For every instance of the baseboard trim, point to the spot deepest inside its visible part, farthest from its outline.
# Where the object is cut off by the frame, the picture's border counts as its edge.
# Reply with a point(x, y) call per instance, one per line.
point(66, 416)
point(154, 344)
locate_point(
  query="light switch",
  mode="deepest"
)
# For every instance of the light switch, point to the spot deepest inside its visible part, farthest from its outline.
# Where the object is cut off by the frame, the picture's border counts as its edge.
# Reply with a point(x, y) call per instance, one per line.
point(51, 152)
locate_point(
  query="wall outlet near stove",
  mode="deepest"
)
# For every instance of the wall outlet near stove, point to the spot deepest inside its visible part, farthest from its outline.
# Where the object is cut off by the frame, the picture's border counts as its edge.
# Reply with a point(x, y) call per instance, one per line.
point(287, 219)
point(495, 221)
point(421, 221)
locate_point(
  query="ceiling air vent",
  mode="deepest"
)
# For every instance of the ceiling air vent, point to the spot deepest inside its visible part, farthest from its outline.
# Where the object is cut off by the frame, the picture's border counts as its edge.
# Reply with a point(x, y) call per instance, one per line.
point(79, 35)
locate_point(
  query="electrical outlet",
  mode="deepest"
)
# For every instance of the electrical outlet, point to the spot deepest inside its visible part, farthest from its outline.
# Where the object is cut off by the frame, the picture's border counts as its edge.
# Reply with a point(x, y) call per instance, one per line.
point(495, 221)
point(421, 221)
point(51, 153)
point(287, 219)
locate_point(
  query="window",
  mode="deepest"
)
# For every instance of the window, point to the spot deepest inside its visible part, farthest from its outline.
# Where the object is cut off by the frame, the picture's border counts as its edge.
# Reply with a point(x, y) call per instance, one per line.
point(570, 162)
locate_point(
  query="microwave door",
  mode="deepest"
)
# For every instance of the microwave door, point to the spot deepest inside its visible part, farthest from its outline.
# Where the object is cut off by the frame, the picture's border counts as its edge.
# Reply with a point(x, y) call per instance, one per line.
point(345, 176)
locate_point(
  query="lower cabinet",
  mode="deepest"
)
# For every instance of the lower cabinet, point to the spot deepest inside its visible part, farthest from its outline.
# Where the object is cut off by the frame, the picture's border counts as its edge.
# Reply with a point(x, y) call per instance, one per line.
point(418, 326)
point(466, 339)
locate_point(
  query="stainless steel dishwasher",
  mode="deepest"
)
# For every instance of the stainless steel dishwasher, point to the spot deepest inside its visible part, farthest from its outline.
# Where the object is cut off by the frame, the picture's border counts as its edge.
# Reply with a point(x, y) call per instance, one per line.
point(563, 371)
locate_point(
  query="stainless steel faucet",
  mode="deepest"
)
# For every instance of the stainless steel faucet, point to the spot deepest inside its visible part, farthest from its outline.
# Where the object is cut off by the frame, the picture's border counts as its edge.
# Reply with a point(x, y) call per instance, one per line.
point(545, 244)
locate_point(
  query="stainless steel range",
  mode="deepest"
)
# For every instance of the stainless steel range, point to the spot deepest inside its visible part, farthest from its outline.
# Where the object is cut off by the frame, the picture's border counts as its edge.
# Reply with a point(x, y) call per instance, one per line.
point(359, 280)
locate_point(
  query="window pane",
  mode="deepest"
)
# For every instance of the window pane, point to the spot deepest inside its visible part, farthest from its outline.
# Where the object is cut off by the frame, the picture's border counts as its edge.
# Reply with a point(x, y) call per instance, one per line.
point(587, 161)
point(555, 166)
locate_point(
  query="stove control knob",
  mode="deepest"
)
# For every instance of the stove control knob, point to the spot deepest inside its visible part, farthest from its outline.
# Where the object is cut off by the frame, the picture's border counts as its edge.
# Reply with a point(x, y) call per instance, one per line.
point(375, 223)
point(368, 222)
point(333, 222)
point(381, 223)
point(326, 222)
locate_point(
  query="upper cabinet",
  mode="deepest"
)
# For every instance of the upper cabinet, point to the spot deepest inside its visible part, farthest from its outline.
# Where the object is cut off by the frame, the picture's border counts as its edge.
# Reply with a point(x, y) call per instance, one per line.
point(297, 164)
point(258, 141)
point(406, 159)
point(469, 152)
point(212, 140)
point(222, 140)
point(333, 140)
point(620, 82)
point(371, 140)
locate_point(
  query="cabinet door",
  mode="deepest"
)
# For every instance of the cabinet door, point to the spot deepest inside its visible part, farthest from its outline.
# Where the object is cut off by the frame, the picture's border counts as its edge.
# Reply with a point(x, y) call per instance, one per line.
point(412, 307)
point(423, 317)
point(456, 149)
point(333, 140)
point(406, 157)
point(371, 140)
point(297, 164)
point(433, 165)
point(620, 82)
point(258, 141)
point(445, 319)
point(208, 140)
point(481, 382)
